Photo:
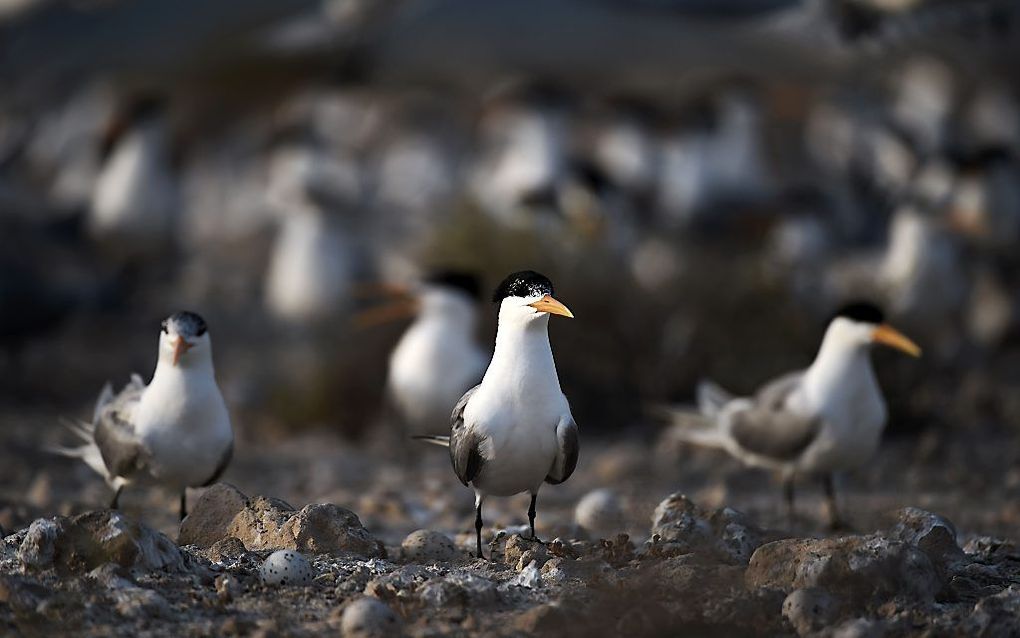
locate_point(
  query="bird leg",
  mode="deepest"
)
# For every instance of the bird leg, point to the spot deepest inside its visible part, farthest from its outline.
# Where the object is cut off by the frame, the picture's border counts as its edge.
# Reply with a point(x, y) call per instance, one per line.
point(184, 503)
point(531, 518)
point(788, 493)
point(478, 524)
point(116, 498)
point(836, 522)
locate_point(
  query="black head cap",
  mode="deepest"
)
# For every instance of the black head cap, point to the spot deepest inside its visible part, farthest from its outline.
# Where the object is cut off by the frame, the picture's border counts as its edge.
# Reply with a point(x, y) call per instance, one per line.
point(862, 311)
point(457, 280)
point(185, 323)
point(526, 283)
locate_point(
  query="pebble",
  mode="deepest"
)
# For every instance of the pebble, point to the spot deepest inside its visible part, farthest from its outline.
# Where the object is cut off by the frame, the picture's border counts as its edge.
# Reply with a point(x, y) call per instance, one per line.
point(286, 567)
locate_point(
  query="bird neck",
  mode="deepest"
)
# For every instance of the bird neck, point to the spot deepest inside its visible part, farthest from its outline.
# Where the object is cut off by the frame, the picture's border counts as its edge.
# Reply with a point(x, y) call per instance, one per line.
point(522, 362)
point(839, 366)
point(198, 371)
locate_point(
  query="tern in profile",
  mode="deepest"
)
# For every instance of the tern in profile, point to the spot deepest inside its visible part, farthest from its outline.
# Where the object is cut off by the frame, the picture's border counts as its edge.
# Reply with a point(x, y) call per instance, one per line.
point(514, 431)
point(819, 421)
point(174, 432)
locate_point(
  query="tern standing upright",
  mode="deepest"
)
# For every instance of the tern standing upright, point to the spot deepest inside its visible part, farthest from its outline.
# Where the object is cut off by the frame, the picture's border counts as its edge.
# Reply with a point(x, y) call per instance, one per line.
point(825, 419)
point(514, 431)
point(174, 432)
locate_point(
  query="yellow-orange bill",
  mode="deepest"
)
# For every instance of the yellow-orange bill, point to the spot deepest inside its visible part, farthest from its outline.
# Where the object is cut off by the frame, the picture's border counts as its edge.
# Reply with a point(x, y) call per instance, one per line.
point(549, 304)
point(180, 347)
point(401, 309)
point(889, 336)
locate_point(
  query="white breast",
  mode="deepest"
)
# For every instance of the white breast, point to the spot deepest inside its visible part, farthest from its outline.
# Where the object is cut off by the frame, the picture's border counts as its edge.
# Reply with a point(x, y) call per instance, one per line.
point(185, 429)
point(430, 370)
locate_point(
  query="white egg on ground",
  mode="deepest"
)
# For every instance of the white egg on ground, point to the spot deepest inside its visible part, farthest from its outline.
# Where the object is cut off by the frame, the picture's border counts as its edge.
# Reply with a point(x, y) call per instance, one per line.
point(600, 513)
point(286, 567)
point(368, 617)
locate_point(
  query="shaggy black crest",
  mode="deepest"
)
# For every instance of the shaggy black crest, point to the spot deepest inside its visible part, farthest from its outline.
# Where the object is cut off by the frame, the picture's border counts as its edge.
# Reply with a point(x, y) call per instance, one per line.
point(185, 323)
point(526, 283)
point(458, 280)
point(862, 311)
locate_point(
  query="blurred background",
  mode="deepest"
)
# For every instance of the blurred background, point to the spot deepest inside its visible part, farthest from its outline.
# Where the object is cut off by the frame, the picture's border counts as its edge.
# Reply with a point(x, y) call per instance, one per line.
point(704, 181)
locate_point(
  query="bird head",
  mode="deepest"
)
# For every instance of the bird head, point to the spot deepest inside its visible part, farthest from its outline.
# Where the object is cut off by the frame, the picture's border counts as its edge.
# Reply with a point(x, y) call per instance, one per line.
point(527, 296)
point(448, 293)
point(183, 339)
point(863, 324)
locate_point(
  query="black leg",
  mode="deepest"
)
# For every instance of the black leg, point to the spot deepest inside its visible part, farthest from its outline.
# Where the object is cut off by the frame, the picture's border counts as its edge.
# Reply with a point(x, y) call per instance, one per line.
point(116, 498)
point(531, 517)
point(835, 520)
point(478, 525)
point(184, 503)
point(788, 492)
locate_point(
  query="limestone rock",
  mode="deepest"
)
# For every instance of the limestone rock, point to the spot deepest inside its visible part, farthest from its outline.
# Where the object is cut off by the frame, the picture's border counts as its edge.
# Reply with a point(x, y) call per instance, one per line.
point(321, 528)
point(89, 540)
point(211, 516)
point(726, 534)
point(855, 567)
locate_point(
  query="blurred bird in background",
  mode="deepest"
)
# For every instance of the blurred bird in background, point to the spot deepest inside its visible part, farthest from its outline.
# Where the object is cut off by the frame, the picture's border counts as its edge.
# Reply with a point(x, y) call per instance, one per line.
point(437, 358)
point(823, 420)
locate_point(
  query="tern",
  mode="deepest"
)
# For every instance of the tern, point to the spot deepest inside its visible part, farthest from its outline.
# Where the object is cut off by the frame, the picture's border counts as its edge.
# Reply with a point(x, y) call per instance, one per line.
point(819, 421)
point(135, 198)
point(514, 430)
point(437, 358)
point(174, 432)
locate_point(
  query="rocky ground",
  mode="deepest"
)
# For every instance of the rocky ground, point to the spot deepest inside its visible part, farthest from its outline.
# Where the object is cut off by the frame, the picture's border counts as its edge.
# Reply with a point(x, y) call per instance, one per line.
point(380, 543)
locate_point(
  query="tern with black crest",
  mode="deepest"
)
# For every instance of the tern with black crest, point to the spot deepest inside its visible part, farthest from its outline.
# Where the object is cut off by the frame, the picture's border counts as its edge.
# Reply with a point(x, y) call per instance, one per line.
point(819, 421)
point(174, 432)
point(514, 431)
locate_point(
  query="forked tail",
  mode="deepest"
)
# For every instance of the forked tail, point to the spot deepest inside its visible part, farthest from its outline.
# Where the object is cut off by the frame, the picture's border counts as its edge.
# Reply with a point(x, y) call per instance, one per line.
point(442, 441)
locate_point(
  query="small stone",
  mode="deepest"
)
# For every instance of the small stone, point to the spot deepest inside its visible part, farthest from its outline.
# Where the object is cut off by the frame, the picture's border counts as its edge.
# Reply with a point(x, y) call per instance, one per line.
point(427, 546)
point(226, 550)
point(809, 610)
point(537, 555)
point(530, 577)
point(368, 617)
point(286, 567)
point(600, 513)
point(227, 588)
point(515, 548)
point(136, 602)
point(39, 546)
point(211, 515)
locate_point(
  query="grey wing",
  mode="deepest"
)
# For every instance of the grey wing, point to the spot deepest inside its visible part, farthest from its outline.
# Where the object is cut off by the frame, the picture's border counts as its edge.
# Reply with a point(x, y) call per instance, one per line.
point(115, 434)
point(769, 429)
point(569, 446)
point(464, 453)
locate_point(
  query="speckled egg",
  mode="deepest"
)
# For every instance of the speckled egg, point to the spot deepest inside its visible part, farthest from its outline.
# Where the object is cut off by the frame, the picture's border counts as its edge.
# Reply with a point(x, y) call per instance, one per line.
point(286, 567)
point(427, 546)
point(368, 616)
point(600, 513)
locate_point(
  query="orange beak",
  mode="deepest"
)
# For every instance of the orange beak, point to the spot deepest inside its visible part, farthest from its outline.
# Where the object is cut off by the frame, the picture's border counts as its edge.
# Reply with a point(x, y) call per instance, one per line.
point(551, 305)
point(180, 347)
point(889, 336)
